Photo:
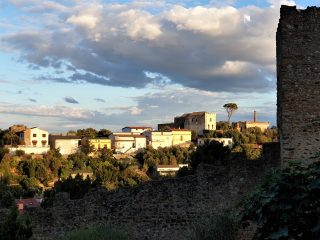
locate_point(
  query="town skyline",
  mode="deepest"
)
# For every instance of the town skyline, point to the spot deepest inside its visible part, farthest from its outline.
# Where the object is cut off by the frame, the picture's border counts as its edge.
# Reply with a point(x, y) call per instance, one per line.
point(68, 65)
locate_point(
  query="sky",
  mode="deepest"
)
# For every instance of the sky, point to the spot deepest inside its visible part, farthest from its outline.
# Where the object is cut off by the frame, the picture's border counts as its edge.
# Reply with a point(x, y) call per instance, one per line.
point(71, 64)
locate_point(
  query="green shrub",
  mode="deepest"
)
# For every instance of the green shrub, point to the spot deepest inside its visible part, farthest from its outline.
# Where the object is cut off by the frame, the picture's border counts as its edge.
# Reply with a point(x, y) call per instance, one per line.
point(7, 199)
point(212, 152)
point(20, 153)
point(252, 153)
point(217, 227)
point(97, 233)
point(15, 227)
point(286, 205)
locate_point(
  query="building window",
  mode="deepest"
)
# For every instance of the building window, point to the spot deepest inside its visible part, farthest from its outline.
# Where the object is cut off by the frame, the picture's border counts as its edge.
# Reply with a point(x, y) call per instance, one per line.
point(34, 135)
point(181, 138)
point(44, 135)
point(210, 119)
point(34, 143)
point(208, 126)
point(212, 126)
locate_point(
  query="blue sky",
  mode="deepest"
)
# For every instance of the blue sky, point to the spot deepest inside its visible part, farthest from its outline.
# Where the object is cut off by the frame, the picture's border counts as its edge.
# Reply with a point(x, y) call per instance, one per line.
point(73, 64)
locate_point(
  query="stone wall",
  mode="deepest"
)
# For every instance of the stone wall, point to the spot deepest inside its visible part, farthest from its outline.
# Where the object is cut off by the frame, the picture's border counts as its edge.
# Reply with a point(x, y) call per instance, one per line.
point(298, 68)
point(155, 210)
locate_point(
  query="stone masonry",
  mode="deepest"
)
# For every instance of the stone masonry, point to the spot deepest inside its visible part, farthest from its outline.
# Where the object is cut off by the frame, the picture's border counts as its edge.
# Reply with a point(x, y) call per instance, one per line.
point(298, 69)
point(155, 210)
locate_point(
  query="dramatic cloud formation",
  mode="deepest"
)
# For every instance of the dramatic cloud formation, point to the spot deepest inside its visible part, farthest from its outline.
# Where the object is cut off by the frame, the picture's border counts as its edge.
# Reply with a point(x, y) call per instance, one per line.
point(71, 100)
point(135, 62)
point(209, 48)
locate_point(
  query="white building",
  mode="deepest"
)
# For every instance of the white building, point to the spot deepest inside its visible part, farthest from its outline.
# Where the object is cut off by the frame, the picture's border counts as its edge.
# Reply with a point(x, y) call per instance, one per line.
point(127, 142)
point(159, 139)
point(136, 129)
point(226, 141)
point(196, 121)
point(66, 144)
point(169, 170)
point(34, 140)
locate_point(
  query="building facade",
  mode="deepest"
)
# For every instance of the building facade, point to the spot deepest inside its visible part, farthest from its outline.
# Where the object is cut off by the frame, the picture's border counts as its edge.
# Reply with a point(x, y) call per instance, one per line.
point(241, 126)
point(181, 137)
point(136, 129)
point(158, 139)
point(32, 140)
point(99, 143)
point(66, 144)
point(34, 137)
point(126, 142)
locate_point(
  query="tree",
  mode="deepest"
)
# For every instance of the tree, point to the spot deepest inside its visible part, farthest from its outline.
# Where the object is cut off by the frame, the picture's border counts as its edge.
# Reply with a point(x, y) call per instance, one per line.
point(230, 108)
point(15, 227)
point(104, 133)
point(222, 126)
point(286, 205)
point(86, 147)
point(211, 152)
point(88, 132)
point(11, 138)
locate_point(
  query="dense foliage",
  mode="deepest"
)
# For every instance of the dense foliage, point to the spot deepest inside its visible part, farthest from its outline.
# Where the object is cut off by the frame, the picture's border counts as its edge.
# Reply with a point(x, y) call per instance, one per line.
point(287, 205)
point(15, 226)
point(77, 187)
point(211, 152)
point(248, 136)
point(164, 156)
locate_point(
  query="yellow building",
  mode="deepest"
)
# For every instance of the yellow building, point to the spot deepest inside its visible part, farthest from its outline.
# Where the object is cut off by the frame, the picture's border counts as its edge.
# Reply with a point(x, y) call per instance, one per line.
point(99, 143)
point(181, 136)
point(159, 139)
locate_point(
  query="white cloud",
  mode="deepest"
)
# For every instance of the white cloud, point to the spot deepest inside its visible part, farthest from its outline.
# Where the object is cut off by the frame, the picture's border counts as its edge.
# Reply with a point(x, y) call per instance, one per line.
point(86, 16)
point(116, 44)
point(135, 111)
point(212, 21)
point(232, 68)
point(278, 3)
point(140, 25)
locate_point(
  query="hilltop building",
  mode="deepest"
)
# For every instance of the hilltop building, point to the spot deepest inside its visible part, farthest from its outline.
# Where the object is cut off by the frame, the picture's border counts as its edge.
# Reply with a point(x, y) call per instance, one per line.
point(66, 144)
point(159, 139)
point(195, 121)
point(241, 126)
point(170, 138)
point(181, 137)
point(32, 140)
point(99, 143)
point(125, 142)
point(136, 129)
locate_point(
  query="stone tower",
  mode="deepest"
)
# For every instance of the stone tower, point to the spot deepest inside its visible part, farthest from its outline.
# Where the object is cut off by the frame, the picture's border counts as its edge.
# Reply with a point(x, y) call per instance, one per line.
point(298, 69)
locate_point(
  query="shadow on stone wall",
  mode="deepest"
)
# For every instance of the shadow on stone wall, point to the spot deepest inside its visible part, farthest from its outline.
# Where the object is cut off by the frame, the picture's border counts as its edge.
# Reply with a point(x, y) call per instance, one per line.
point(154, 210)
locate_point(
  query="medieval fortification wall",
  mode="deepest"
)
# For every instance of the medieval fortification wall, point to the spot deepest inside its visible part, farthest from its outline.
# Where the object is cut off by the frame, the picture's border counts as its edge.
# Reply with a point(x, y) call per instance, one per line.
point(298, 68)
point(155, 210)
